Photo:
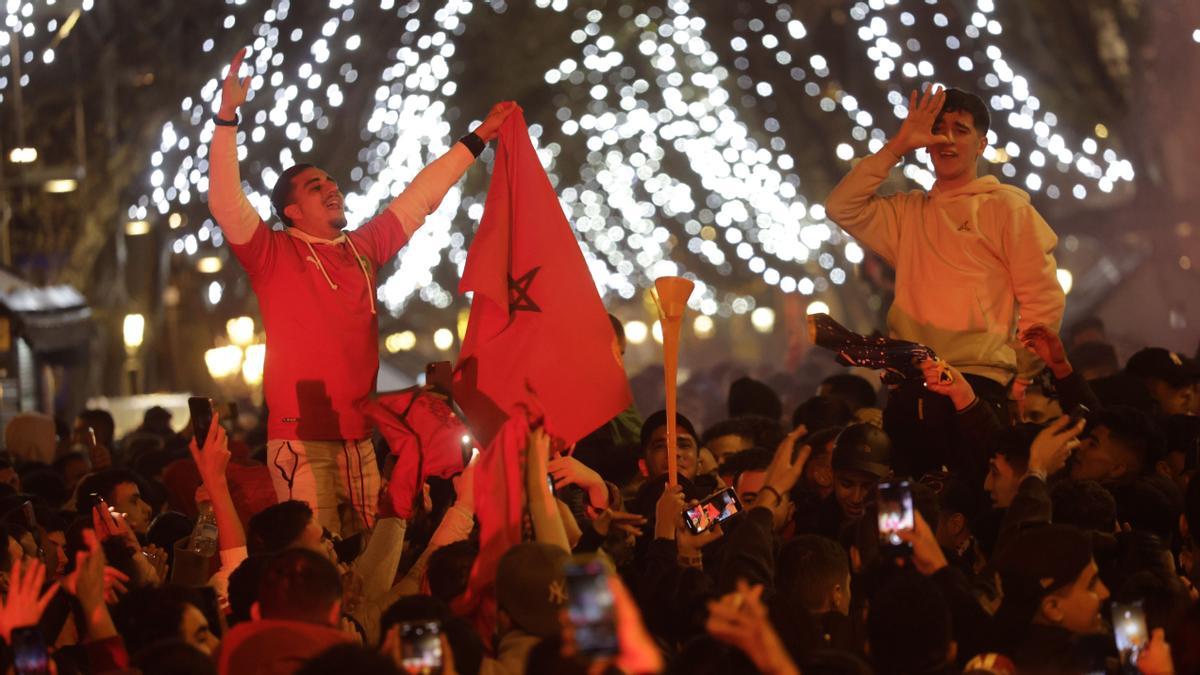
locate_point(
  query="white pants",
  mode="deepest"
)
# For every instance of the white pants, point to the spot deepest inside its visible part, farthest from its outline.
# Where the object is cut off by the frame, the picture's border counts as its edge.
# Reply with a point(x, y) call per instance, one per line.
point(338, 479)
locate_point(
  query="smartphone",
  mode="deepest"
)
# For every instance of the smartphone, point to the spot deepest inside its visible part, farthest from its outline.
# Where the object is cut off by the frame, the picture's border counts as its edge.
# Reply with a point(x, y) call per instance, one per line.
point(895, 516)
point(590, 607)
point(89, 438)
point(201, 409)
point(714, 509)
point(30, 655)
point(1079, 412)
point(550, 482)
point(422, 651)
point(1129, 628)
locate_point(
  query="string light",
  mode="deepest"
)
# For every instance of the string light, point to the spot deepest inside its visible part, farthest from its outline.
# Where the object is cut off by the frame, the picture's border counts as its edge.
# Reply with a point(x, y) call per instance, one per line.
point(641, 113)
point(36, 25)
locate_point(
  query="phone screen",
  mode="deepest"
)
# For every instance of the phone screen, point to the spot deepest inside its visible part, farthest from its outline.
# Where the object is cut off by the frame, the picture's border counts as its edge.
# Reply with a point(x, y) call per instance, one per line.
point(895, 515)
point(1129, 628)
point(717, 508)
point(422, 653)
point(201, 409)
point(30, 655)
point(590, 608)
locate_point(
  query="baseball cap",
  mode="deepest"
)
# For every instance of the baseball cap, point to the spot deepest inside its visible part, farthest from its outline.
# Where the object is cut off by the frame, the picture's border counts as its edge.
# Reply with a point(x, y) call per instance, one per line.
point(659, 419)
point(1162, 364)
point(1041, 560)
point(531, 587)
point(863, 447)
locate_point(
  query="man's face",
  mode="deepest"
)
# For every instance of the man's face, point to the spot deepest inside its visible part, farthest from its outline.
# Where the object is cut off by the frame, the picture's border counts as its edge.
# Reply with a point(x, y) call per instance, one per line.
point(656, 453)
point(1099, 457)
point(853, 491)
point(194, 630)
point(957, 159)
point(127, 499)
point(56, 553)
point(1001, 482)
point(1077, 607)
point(750, 483)
point(317, 202)
point(724, 446)
point(1173, 400)
point(818, 471)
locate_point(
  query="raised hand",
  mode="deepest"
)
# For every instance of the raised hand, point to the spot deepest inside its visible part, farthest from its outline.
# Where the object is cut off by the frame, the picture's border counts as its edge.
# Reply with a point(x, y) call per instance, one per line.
point(927, 555)
point(567, 470)
point(496, 116)
point(1043, 341)
point(23, 604)
point(740, 619)
point(667, 512)
point(917, 129)
point(234, 89)
point(1053, 445)
point(213, 458)
point(785, 469)
point(942, 378)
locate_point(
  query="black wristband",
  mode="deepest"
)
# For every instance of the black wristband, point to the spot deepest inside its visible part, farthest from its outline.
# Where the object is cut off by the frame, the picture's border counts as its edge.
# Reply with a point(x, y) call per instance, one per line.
point(227, 123)
point(474, 143)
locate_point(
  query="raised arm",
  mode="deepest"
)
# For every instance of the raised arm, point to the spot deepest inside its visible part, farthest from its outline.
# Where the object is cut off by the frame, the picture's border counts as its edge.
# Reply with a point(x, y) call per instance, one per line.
point(211, 461)
point(226, 200)
point(853, 204)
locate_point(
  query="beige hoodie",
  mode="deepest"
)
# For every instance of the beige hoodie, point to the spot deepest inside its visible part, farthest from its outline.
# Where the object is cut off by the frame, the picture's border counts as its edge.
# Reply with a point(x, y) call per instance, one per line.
point(973, 265)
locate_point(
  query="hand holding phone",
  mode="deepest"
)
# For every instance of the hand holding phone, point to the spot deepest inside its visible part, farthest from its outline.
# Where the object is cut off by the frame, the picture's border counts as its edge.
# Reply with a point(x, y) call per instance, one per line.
point(1129, 629)
point(895, 516)
point(30, 654)
point(713, 510)
point(201, 409)
point(591, 608)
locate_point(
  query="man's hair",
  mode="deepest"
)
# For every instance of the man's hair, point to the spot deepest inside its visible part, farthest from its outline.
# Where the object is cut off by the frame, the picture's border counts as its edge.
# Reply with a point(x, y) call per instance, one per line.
point(299, 585)
point(898, 643)
point(1093, 355)
point(1085, 324)
point(750, 459)
point(958, 100)
point(102, 483)
point(1084, 504)
point(1136, 431)
point(148, 615)
point(173, 656)
point(47, 484)
point(243, 587)
point(1013, 445)
point(101, 421)
point(617, 326)
point(276, 527)
point(449, 569)
point(856, 391)
point(822, 412)
point(814, 565)
point(761, 431)
point(281, 194)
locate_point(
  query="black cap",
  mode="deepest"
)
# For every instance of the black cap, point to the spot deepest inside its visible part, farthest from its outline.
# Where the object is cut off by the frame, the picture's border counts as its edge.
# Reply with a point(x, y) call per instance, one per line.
point(659, 419)
point(863, 447)
point(1162, 364)
point(1042, 559)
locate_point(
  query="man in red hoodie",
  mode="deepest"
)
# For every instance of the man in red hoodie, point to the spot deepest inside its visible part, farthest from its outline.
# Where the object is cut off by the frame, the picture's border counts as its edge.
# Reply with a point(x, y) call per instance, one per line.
point(316, 290)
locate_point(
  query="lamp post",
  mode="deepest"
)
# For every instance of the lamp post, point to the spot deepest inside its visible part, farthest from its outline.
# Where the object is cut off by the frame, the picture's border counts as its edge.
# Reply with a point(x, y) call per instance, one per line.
point(134, 331)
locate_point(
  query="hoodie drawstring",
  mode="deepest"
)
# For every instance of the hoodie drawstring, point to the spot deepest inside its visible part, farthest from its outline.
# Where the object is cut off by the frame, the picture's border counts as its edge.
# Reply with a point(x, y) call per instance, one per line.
point(317, 261)
point(359, 261)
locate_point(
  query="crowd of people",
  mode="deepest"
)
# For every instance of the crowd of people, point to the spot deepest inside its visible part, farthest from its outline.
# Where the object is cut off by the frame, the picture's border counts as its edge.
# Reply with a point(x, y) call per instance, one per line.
point(1038, 520)
point(1035, 496)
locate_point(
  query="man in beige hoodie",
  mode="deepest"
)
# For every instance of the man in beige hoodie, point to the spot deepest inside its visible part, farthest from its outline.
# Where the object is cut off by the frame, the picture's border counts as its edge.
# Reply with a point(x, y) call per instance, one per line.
point(974, 261)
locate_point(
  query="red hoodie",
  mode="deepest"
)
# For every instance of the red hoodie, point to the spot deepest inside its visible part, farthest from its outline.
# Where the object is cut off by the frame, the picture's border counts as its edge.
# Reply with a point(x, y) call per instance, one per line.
point(274, 646)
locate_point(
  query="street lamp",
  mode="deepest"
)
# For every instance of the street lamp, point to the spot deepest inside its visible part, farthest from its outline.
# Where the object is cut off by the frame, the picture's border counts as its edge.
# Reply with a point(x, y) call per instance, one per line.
point(240, 330)
point(133, 329)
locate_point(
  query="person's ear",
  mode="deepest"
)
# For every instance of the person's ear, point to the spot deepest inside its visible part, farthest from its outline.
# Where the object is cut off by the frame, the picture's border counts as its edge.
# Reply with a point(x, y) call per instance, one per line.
point(1050, 609)
point(335, 613)
point(256, 611)
point(642, 467)
point(855, 560)
point(293, 212)
point(982, 144)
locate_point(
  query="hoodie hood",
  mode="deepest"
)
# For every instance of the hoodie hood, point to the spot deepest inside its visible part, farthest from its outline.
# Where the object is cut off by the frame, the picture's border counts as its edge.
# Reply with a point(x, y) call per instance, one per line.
point(983, 185)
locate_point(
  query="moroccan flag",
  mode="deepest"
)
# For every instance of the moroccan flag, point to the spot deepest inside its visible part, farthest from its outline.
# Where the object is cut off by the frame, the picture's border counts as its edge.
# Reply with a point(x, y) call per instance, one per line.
point(425, 435)
point(537, 323)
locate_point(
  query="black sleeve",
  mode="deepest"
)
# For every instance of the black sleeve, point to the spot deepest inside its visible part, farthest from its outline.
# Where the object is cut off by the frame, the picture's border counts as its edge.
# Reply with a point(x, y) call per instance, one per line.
point(972, 625)
point(749, 553)
point(1073, 390)
point(976, 425)
point(1031, 505)
point(672, 598)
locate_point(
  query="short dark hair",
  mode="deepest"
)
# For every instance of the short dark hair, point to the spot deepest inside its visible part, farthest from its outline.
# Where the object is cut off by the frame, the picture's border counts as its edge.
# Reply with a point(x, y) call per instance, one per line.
point(1136, 431)
point(102, 483)
point(1091, 355)
point(281, 194)
point(299, 585)
point(822, 412)
point(148, 615)
point(958, 100)
point(243, 587)
point(856, 391)
point(761, 431)
point(1013, 444)
point(898, 644)
point(1084, 504)
point(276, 527)
point(101, 421)
point(173, 656)
point(47, 484)
point(617, 326)
point(750, 459)
point(814, 565)
point(449, 569)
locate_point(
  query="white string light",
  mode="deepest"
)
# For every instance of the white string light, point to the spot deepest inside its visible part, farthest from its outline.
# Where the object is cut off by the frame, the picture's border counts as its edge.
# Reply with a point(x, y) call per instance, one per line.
point(670, 101)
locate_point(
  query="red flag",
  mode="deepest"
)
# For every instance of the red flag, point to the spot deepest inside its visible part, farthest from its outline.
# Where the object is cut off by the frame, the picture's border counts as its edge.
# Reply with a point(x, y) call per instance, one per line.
point(425, 435)
point(536, 320)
